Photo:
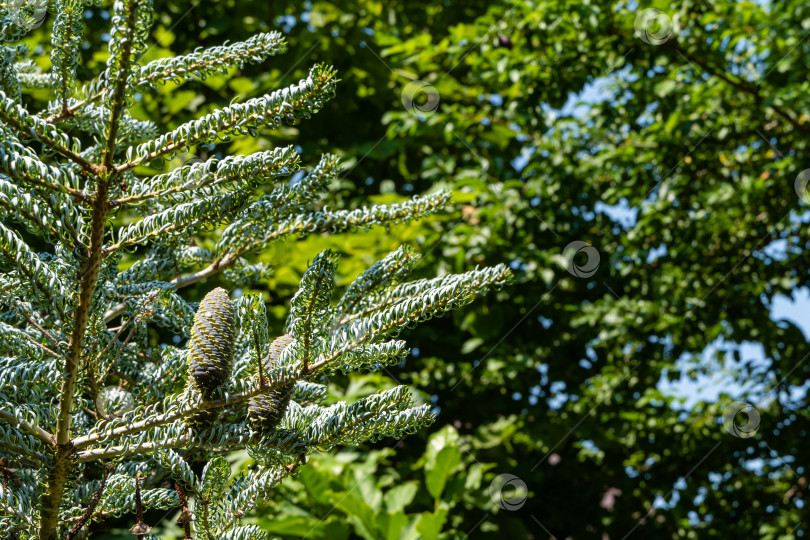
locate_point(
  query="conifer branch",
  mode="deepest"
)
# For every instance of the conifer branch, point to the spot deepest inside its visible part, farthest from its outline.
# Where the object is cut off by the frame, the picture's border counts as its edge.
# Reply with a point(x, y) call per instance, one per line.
point(289, 105)
point(13, 200)
point(30, 127)
point(57, 296)
point(36, 431)
point(30, 265)
point(205, 62)
point(21, 452)
point(90, 268)
point(245, 170)
point(181, 218)
point(162, 419)
point(199, 64)
point(120, 68)
point(43, 331)
point(67, 38)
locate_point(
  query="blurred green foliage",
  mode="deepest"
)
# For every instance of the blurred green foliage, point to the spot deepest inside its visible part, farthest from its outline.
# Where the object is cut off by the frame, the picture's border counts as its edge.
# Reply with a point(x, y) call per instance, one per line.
point(699, 139)
point(365, 495)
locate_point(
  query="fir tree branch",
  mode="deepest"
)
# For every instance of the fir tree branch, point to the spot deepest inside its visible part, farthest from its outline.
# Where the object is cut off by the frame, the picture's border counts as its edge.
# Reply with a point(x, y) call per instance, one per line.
point(304, 193)
point(250, 170)
point(377, 306)
point(9, 82)
point(213, 60)
point(290, 104)
point(29, 127)
point(67, 206)
point(36, 431)
point(314, 222)
point(215, 267)
point(71, 111)
point(120, 67)
point(310, 304)
point(41, 346)
point(66, 40)
point(44, 332)
point(255, 49)
point(19, 451)
point(462, 289)
point(57, 188)
point(35, 80)
point(381, 273)
point(459, 289)
point(166, 418)
point(180, 218)
point(9, 511)
point(29, 264)
point(24, 311)
point(118, 451)
point(150, 447)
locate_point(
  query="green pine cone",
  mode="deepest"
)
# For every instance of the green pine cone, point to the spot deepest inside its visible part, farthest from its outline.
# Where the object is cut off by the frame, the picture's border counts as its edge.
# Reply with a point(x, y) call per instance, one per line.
point(266, 411)
point(212, 338)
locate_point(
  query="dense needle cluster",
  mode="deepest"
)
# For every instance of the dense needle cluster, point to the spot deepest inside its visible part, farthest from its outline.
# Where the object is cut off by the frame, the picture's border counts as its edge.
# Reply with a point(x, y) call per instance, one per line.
point(99, 237)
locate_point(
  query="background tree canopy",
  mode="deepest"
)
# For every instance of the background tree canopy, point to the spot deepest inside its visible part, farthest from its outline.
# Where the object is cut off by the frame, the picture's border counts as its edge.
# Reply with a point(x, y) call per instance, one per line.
point(668, 146)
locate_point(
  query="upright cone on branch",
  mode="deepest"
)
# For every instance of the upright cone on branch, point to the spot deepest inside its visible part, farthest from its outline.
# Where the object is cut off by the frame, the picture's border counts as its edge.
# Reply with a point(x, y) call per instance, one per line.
point(212, 342)
point(265, 411)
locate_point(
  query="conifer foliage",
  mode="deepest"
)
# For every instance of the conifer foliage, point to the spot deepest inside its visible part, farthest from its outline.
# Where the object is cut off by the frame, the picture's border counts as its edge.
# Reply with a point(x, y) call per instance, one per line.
point(97, 422)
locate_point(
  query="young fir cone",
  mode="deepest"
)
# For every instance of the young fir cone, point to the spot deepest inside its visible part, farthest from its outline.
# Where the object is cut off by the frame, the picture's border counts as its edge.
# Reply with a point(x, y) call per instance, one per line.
point(265, 411)
point(212, 338)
